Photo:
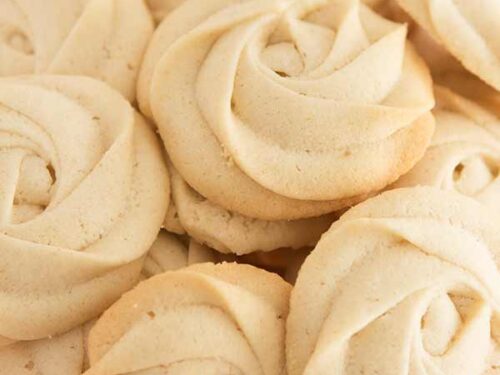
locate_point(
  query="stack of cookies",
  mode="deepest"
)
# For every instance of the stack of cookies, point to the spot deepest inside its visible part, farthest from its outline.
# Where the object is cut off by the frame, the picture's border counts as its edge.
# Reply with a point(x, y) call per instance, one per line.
point(250, 187)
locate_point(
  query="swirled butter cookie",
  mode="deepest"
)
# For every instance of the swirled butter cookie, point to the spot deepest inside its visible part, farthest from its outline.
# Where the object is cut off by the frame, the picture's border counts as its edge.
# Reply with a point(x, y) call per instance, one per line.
point(83, 192)
point(282, 110)
point(204, 319)
point(467, 29)
point(104, 39)
point(404, 283)
point(465, 152)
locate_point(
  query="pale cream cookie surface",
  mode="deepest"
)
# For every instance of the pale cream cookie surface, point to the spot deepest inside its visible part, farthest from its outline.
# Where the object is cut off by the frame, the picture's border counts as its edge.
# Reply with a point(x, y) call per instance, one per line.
point(280, 110)
point(465, 151)
point(467, 29)
point(104, 39)
point(404, 283)
point(204, 319)
point(83, 193)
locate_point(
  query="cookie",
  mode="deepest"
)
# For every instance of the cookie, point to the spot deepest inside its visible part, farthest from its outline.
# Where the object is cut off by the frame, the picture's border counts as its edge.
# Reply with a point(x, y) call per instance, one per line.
point(229, 232)
point(84, 190)
point(465, 152)
point(210, 319)
point(103, 39)
point(169, 253)
point(281, 110)
point(65, 354)
point(467, 29)
point(61, 355)
point(407, 281)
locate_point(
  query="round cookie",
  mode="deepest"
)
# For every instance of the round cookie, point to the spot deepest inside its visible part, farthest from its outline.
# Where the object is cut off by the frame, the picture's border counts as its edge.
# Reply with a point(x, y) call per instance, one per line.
point(316, 104)
point(230, 232)
point(406, 282)
point(104, 39)
point(210, 319)
point(467, 29)
point(465, 152)
point(83, 193)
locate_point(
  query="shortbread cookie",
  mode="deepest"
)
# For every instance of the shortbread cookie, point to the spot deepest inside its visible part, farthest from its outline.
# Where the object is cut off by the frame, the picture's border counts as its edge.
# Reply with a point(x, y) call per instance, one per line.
point(229, 232)
point(282, 110)
point(168, 253)
point(104, 39)
point(467, 29)
point(404, 283)
point(83, 192)
point(465, 152)
point(446, 69)
point(205, 319)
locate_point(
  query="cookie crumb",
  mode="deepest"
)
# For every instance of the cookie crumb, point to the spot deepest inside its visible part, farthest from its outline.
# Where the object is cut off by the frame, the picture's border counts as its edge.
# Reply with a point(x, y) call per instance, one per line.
point(30, 365)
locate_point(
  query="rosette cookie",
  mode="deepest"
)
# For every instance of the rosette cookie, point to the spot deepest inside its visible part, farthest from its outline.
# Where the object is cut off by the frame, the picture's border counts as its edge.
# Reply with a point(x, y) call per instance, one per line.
point(404, 283)
point(281, 110)
point(168, 253)
point(467, 29)
point(204, 319)
point(446, 69)
point(83, 192)
point(229, 232)
point(104, 39)
point(465, 152)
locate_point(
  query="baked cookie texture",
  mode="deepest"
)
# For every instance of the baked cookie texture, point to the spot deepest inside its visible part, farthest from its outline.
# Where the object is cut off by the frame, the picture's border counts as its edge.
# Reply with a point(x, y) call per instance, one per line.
point(230, 232)
point(60, 355)
point(204, 319)
point(281, 110)
point(83, 193)
point(445, 68)
point(467, 29)
point(104, 39)
point(465, 152)
point(406, 282)
point(64, 354)
point(169, 253)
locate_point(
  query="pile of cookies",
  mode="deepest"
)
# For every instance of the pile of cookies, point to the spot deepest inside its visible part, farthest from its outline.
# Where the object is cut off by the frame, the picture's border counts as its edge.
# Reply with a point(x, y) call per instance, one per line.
point(251, 187)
